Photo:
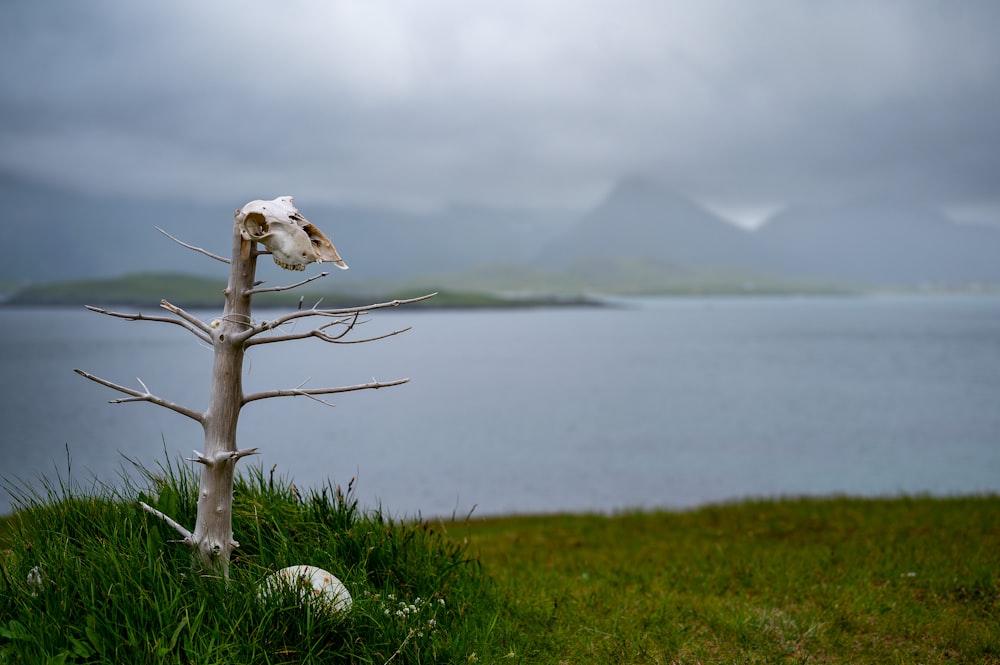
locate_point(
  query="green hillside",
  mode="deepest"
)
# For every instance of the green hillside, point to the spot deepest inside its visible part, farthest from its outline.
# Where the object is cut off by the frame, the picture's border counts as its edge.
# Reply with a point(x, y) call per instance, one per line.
point(629, 276)
point(189, 291)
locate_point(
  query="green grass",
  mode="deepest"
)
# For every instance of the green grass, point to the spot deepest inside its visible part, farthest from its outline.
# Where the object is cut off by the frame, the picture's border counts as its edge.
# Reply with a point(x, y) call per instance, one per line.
point(838, 580)
point(114, 589)
point(795, 581)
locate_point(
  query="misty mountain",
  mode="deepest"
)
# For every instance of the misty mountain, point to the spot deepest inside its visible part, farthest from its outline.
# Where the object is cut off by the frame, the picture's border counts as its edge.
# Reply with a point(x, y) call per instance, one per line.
point(641, 233)
point(54, 234)
point(641, 219)
point(869, 242)
point(879, 241)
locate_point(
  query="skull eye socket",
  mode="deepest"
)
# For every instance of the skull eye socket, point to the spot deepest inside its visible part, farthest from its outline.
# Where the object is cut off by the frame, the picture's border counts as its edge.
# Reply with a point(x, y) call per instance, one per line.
point(256, 225)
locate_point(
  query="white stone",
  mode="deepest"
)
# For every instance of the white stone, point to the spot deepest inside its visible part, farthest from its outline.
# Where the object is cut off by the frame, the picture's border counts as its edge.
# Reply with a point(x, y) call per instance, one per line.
point(313, 585)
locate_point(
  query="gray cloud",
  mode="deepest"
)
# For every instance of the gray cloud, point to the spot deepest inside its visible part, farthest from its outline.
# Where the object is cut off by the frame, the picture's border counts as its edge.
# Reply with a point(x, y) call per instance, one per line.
point(746, 105)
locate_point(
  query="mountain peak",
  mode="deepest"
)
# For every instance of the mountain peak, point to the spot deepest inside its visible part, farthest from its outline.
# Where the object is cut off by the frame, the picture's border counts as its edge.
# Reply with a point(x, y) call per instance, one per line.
point(641, 218)
point(636, 184)
point(641, 187)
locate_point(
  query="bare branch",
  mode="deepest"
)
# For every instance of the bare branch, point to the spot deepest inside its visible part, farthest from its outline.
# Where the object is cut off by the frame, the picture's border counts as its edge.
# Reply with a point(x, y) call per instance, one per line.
point(320, 400)
point(193, 248)
point(348, 327)
point(188, 537)
point(138, 396)
point(344, 312)
point(335, 340)
point(349, 322)
point(243, 452)
point(296, 392)
point(194, 326)
point(193, 320)
point(234, 455)
point(320, 334)
point(286, 288)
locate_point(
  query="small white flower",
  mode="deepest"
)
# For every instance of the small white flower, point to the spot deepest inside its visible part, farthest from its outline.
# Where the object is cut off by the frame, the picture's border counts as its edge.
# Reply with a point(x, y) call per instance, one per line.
point(35, 580)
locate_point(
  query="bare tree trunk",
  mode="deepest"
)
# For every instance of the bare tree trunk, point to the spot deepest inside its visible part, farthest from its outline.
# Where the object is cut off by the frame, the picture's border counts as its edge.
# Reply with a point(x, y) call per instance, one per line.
point(213, 532)
point(293, 242)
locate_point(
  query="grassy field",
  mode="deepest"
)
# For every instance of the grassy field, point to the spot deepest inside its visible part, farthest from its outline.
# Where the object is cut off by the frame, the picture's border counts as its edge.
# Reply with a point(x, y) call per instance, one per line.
point(909, 580)
point(796, 581)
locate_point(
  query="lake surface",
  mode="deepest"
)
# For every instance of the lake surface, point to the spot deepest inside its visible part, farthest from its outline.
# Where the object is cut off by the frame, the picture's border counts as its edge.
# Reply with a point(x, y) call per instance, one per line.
point(672, 402)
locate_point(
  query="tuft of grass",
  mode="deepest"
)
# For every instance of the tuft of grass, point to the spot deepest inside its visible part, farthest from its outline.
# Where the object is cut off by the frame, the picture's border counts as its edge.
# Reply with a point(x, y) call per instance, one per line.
point(94, 579)
point(834, 580)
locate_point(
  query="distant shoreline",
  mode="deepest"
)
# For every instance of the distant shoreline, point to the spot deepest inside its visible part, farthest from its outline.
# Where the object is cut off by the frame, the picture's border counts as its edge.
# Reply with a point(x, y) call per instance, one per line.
point(194, 292)
point(444, 300)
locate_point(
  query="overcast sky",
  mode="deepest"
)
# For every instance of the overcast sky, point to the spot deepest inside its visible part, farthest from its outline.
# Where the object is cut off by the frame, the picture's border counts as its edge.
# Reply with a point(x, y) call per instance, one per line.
point(743, 104)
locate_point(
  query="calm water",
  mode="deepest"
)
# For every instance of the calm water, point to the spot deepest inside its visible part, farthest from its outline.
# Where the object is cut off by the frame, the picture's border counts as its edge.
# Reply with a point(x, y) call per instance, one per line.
point(666, 402)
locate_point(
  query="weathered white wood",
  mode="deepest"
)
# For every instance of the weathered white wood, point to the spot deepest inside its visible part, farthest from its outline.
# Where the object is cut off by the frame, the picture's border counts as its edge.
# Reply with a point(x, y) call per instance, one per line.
point(193, 248)
point(306, 392)
point(293, 243)
point(185, 534)
point(196, 327)
point(142, 396)
point(288, 287)
point(213, 531)
point(264, 326)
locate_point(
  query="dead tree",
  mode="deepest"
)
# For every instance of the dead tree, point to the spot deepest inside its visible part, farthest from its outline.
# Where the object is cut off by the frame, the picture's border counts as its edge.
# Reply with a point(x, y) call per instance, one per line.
point(293, 243)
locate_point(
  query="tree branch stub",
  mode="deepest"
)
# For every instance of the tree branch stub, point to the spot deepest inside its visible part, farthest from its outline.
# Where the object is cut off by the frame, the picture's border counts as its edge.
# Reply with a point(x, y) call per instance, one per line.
point(186, 536)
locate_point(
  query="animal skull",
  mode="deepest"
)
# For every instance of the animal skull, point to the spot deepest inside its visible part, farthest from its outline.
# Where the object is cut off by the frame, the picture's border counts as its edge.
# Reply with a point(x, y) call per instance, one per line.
point(292, 240)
